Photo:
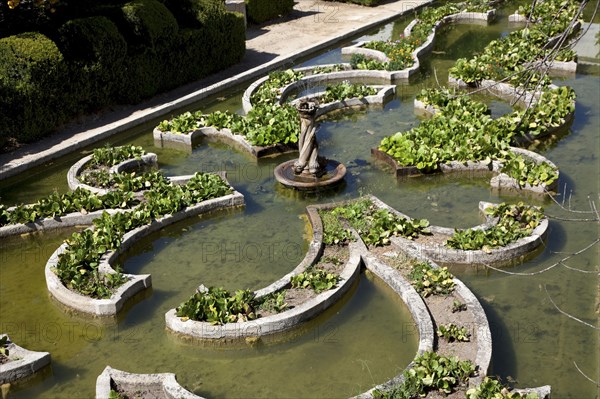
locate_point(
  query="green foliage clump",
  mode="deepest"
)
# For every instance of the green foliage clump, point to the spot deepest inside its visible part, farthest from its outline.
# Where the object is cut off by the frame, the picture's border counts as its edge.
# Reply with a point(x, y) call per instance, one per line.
point(430, 373)
point(451, 332)
point(359, 61)
point(148, 24)
point(260, 11)
point(525, 171)
point(124, 182)
point(493, 389)
point(55, 205)
point(506, 58)
point(4, 342)
point(345, 90)
point(219, 306)
point(318, 279)
point(428, 280)
point(274, 302)
point(514, 222)
point(374, 225)
point(33, 76)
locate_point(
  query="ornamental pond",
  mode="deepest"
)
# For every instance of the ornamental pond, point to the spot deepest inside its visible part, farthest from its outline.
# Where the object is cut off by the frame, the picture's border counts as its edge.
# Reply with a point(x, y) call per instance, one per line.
point(369, 336)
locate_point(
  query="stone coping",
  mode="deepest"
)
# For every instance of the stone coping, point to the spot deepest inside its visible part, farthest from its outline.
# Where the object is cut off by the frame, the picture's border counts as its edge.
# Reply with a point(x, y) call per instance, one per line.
point(280, 322)
point(225, 135)
point(24, 363)
point(135, 283)
point(445, 255)
point(406, 73)
point(501, 181)
point(159, 386)
point(147, 160)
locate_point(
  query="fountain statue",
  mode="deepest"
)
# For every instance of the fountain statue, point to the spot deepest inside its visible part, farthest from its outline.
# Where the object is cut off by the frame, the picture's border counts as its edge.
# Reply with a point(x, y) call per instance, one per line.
point(309, 171)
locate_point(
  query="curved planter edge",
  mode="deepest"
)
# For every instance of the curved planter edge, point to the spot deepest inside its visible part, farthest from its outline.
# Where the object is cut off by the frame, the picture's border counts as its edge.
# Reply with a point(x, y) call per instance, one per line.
point(136, 283)
point(27, 364)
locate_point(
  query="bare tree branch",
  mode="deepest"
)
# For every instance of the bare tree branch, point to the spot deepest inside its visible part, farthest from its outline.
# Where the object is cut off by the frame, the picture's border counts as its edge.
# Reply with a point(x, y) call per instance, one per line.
point(567, 314)
point(583, 374)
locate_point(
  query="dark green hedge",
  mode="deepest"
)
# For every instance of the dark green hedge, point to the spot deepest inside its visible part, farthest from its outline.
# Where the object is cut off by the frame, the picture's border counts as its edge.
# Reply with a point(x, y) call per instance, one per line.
point(131, 53)
point(32, 82)
point(260, 11)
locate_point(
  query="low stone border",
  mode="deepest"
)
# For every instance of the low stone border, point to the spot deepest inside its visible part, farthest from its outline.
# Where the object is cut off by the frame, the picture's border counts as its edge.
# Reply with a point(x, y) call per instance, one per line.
point(404, 74)
point(501, 181)
point(23, 363)
point(136, 283)
point(415, 305)
point(149, 160)
point(280, 322)
point(158, 386)
point(442, 254)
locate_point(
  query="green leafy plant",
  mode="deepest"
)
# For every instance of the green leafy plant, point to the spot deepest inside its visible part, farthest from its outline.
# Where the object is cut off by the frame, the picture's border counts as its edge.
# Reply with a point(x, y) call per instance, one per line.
point(493, 389)
point(528, 172)
point(375, 225)
point(345, 90)
point(359, 61)
point(4, 342)
point(274, 302)
point(430, 373)
point(428, 280)
point(451, 332)
point(514, 222)
point(317, 279)
point(458, 306)
point(219, 306)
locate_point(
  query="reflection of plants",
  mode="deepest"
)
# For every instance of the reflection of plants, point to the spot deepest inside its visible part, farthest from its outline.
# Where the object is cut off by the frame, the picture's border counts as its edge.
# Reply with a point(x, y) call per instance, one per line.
point(514, 222)
point(428, 280)
point(317, 279)
point(346, 90)
point(219, 306)
point(494, 389)
point(55, 205)
point(110, 156)
point(430, 372)
point(451, 332)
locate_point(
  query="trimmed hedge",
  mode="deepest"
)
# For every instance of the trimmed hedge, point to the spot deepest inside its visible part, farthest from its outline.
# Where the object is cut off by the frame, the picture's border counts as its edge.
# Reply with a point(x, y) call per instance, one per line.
point(260, 11)
point(132, 52)
point(148, 24)
point(32, 75)
point(95, 51)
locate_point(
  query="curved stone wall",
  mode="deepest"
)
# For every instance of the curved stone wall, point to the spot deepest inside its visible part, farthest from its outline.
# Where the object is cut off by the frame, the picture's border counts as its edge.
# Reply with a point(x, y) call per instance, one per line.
point(23, 363)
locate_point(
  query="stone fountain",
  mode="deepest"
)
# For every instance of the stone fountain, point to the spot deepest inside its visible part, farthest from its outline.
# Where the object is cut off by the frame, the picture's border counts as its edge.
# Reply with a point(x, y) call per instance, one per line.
point(310, 171)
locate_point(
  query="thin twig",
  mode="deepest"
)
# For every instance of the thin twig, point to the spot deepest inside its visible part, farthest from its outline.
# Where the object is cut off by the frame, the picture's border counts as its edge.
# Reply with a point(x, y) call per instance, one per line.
point(579, 270)
point(567, 314)
point(552, 266)
point(583, 374)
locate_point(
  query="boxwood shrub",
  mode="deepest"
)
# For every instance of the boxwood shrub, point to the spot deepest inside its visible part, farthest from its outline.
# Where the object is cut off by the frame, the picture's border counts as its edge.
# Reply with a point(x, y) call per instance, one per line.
point(95, 51)
point(260, 11)
point(147, 24)
point(32, 75)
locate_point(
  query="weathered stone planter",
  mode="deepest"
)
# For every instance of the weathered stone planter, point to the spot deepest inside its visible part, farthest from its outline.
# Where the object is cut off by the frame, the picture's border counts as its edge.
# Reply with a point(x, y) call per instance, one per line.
point(280, 322)
point(136, 283)
point(440, 253)
point(500, 181)
point(146, 160)
point(156, 386)
point(24, 363)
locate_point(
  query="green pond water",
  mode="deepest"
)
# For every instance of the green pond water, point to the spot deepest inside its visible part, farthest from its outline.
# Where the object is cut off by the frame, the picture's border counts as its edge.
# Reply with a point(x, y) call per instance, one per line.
point(369, 336)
